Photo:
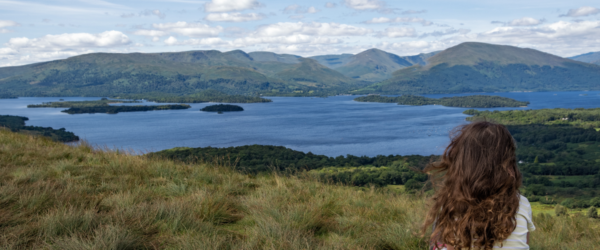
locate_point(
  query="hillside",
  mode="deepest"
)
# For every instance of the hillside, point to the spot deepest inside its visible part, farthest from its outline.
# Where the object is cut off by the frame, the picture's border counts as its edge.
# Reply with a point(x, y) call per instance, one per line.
point(56, 196)
point(592, 57)
point(310, 73)
point(479, 67)
point(106, 74)
point(371, 65)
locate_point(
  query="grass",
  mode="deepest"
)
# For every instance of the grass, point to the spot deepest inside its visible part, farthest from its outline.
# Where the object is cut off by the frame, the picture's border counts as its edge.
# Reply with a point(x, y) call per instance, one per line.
point(54, 196)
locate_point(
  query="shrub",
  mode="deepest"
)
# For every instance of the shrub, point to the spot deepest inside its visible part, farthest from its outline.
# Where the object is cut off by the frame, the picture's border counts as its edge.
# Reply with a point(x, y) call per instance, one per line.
point(595, 202)
point(592, 213)
point(560, 210)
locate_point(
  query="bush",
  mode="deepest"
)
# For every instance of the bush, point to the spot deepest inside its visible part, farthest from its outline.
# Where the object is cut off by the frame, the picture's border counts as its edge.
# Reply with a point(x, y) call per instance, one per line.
point(560, 210)
point(592, 213)
point(536, 189)
point(412, 184)
point(595, 202)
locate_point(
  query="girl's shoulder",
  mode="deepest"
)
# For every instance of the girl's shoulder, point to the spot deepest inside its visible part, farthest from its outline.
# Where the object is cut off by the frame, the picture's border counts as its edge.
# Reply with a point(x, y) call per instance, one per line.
point(525, 212)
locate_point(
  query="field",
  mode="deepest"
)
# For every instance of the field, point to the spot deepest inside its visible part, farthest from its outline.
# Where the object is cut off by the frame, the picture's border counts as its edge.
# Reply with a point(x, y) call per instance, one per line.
point(55, 196)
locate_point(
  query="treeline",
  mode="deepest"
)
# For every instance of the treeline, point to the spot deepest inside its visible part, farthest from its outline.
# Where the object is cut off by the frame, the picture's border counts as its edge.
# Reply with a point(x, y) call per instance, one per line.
point(479, 101)
point(17, 124)
point(222, 108)
point(117, 109)
point(380, 170)
point(79, 104)
point(200, 97)
point(579, 117)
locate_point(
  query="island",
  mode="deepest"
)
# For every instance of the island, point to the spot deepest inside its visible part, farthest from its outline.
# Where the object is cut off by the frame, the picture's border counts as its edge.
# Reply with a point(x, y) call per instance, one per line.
point(116, 109)
point(473, 101)
point(222, 108)
point(79, 104)
point(200, 97)
point(17, 124)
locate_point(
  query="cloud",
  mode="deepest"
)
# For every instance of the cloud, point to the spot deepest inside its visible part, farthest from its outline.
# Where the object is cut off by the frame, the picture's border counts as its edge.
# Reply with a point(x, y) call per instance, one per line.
point(525, 21)
point(230, 5)
point(394, 32)
point(330, 5)
point(409, 12)
point(70, 40)
point(377, 20)
point(364, 4)
point(127, 15)
point(189, 29)
point(581, 12)
point(7, 23)
point(446, 32)
point(300, 9)
point(212, 41)
point(312, 28)
point(150, 33)
point(233, 17)
point(157, 13)
point(23, 50)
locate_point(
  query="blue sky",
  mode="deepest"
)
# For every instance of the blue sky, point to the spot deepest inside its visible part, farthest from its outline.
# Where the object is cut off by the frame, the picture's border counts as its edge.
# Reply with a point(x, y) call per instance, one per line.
point(34, 31)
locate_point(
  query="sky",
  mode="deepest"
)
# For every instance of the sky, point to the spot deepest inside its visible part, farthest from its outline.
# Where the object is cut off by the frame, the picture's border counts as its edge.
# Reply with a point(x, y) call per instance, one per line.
point(42, 30)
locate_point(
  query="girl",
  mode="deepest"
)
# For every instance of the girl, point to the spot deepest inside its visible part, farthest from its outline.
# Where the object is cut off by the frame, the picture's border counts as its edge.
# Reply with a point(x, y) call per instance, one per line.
point(477, 204)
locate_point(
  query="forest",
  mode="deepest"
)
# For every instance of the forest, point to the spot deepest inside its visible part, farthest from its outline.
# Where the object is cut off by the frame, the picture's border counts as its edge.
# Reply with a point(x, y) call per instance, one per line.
point(200, 97)
point(222, 108)
point(353, 170)
point(17, 124)
point(474, 101)
point(558, 150)
point(118, 109)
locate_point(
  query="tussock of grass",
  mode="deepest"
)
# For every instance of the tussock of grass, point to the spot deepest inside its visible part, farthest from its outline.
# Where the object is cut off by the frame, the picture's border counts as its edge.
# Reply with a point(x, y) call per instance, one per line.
point(54, 196)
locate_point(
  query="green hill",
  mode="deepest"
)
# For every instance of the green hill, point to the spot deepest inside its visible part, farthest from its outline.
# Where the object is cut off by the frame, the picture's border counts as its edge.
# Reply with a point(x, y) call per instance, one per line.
point(109, 74)
point(592, 57)
point(310, 73)
point(480, 67)
point(372, 65)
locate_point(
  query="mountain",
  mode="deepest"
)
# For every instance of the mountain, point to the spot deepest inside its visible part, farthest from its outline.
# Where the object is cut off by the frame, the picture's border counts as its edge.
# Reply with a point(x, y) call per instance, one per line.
point(371, 65)
point(592, 57)
point(480, 67)
point(233, 72)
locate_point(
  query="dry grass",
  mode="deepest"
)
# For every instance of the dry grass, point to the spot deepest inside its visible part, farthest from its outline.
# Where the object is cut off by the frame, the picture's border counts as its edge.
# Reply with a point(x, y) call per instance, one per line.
point(54, 196)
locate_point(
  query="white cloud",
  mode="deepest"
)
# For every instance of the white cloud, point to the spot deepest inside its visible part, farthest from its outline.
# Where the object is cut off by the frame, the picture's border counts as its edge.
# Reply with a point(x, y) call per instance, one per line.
point(8, 23)
point(23, 50)
point(409, 12)
point(377, 20)
point(364, 4)
point(233, 17)
point(156, 13)
point(189, 29)
point(300, 9)
point(525, 21)
point(150, 33)
point(446, 32)
point(171, 41)
point(394, 32)
point(230, 5)
point(330, 5)
point(583, 11)
point(313, 28)
point(70, 41)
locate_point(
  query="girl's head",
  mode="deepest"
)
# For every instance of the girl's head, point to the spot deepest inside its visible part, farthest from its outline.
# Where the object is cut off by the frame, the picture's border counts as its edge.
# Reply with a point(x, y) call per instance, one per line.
point(477, 187)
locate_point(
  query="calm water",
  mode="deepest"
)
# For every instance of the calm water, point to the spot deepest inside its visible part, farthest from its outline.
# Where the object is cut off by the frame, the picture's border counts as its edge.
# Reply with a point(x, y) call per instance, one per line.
point(331, 126)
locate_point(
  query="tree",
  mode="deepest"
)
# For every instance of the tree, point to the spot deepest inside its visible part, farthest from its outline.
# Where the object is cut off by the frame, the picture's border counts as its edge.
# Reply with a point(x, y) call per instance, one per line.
point(412, 184)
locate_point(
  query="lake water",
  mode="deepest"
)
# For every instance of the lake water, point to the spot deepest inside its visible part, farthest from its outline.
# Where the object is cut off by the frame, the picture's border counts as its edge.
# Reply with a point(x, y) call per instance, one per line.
point(331, 126)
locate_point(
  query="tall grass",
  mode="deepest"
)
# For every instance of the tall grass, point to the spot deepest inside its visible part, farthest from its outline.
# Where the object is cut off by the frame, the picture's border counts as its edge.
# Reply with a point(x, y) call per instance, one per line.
point(54, 196)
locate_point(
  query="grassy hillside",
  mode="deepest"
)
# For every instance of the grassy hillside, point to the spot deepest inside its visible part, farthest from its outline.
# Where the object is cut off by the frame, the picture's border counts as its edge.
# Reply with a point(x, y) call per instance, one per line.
point(592, 57)
point(478, 67)
point(56, 196)
point(312, 74)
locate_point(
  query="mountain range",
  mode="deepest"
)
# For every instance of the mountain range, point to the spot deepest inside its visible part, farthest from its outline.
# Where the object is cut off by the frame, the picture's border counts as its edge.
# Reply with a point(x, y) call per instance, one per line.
point(592, 57)
point(467, 67)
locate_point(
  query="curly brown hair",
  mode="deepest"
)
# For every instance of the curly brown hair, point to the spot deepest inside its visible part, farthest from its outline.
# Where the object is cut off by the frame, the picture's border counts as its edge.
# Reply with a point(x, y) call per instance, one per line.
point(476, 188)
